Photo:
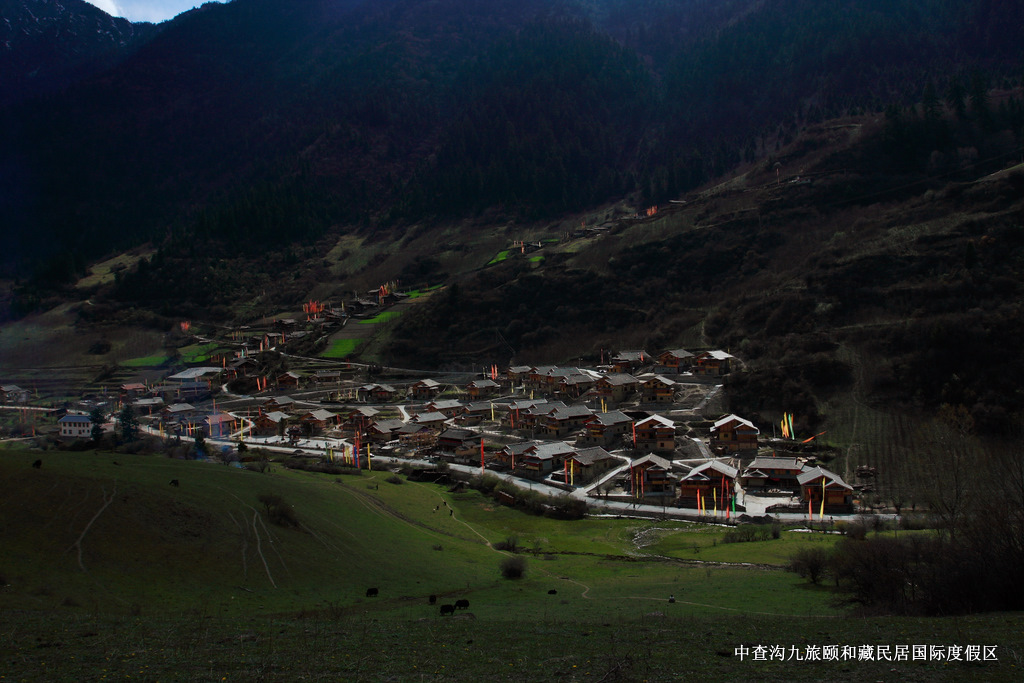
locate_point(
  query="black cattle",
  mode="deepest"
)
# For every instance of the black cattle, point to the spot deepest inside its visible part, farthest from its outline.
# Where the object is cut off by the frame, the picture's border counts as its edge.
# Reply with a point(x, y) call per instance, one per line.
point(447, 609)
point(462, 604)
point(371, 592)
point(174, 482)
point(433, 599)
point(38, 464)
point(671, 598)
point(552, 592)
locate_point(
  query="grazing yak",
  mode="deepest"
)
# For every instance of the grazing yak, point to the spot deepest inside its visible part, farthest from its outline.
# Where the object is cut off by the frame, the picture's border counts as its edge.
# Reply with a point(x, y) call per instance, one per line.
point(371, 592)
point(174, 482)
point(552, 592)
point(433, 599)
point(38, 464)
point(447, 609)
point(462, 604)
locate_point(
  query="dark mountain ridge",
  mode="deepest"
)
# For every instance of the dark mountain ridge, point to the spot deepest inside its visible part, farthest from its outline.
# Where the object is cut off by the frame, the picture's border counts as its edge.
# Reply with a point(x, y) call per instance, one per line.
point(46, 45)
point(389, 113)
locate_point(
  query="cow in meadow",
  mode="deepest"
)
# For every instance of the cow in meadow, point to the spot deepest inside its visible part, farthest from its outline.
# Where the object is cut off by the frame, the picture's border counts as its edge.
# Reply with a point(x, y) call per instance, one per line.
point(371, 592)
point(462, 604)
point(447, 609)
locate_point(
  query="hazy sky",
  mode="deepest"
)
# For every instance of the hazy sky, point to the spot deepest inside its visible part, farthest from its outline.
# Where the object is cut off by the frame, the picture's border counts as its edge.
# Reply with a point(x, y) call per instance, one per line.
point(146, 10)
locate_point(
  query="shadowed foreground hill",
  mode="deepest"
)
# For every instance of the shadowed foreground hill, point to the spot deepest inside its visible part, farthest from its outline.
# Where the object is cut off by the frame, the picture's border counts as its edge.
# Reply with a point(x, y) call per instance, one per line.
point(83, 531)
point(107, 570)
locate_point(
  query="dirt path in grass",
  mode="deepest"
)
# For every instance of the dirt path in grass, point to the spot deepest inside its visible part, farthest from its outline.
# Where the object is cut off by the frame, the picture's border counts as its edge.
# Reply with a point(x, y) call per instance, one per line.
point(78, 542)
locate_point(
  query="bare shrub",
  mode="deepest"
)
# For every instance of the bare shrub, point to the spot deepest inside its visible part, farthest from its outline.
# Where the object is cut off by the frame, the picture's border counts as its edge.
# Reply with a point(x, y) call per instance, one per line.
point(513, 567)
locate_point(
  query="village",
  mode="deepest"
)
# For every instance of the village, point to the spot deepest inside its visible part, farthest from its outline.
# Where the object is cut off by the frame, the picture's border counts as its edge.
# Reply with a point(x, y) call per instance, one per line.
point(640, 429)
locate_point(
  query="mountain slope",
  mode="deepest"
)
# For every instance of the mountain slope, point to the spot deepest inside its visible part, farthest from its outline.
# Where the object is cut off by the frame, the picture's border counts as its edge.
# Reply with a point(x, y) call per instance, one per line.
point(373, 114)
point(46, 45)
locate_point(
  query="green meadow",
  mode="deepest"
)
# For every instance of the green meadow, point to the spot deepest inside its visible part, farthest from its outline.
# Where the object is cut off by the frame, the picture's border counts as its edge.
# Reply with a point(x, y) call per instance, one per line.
point(382, 317)
point(108, 571)
point(341, 348)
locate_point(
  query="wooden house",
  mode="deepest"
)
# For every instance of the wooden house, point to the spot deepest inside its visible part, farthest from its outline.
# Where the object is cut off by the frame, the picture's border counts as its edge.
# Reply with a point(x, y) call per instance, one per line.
point(605, 429)
point(377, 393)
point(625, 362)
point(537, 378)
point(417, 436)
point(658, 389)
point(674, 362)
point(712, 363)
point(615, 388)
point(651, 479)
point(270, 424)
point(564, 420)
point(278, 403)
point(708, 484)
point(357, 420)
point(772, 475)
point(655, 434)
point(541, 459)
point(429, 419)
point(816, 483)
point(220, 425)
point(733, 434)
point(133, 390)
point(13, 394)
point(517, 374)
point(425, 389)
point(455, 440)
point(480, 388)
point(241, 367)
point(177, 411)
point(316, 421)
point(288, 380)
point(448, 407)
point(147, 406)
point(508, 455)
point(475, 413)
point(75, 426)
point(574, 385)
point(327, 376)
point(381, 431)
point(585, 465)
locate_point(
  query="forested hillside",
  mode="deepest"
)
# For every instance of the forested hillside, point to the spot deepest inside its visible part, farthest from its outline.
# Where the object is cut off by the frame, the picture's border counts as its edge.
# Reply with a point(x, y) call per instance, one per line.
point(295, 119)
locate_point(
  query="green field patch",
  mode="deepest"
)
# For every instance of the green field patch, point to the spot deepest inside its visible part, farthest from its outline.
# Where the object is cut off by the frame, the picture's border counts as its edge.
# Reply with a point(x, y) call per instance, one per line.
point(536, 259)
point(197, 353)
point(502, 255)
point(383, 317)
point(146, 361)
point(341, 348)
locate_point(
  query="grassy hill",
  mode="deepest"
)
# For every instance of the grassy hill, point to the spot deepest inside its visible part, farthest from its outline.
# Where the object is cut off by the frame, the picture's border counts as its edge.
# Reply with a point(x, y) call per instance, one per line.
point(109, 570)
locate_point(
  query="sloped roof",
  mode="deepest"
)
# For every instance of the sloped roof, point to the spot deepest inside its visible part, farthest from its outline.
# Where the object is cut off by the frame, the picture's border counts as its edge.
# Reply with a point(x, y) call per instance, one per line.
point(589, 456)
point(545, 450)
point(429, 417)
point(698, 472)
point(722, 421)
point(612, 417)
point(457, 434)
point(664, 421)
point(321, 415)
point(655, 460)
point(620, 379)
point(677, 353)
point(775, 464)
point(812, 473)
point(387, 425)
point(570, 412)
